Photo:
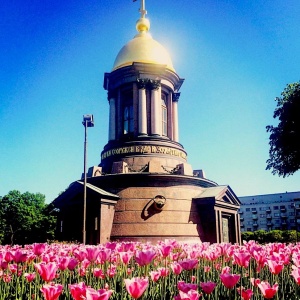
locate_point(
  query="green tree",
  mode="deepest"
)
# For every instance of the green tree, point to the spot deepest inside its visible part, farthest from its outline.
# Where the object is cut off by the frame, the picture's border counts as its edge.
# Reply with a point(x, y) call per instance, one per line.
point(260, 236)
point(274, 236)
point(284, 153)
point(289, 236)
point(247, 236)
point(25, 218)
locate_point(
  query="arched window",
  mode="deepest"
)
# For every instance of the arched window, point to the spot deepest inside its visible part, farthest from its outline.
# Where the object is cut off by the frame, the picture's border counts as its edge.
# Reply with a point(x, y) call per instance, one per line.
point(164, 116)
point(128, 119)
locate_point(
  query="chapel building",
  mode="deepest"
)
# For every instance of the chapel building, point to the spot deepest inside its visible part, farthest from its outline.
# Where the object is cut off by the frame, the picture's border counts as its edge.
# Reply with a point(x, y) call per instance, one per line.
point(144, 189)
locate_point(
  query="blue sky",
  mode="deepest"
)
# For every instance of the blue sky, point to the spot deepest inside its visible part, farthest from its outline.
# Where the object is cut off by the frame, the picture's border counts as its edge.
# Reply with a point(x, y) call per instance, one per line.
point(235, 56)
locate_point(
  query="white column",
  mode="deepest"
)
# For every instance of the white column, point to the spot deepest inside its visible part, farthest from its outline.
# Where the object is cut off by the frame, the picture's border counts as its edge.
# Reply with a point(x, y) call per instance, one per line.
point(142, 112)
point(175, 117)
point(112, 119)
point(156, 111)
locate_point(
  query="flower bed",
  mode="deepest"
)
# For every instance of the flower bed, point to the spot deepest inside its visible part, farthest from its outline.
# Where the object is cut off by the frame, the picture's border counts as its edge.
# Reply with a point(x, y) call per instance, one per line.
point(167, 270)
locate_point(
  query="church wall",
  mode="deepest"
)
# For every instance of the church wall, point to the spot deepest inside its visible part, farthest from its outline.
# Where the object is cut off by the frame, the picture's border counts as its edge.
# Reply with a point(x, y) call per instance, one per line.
point(136, 215)
point(107, 215)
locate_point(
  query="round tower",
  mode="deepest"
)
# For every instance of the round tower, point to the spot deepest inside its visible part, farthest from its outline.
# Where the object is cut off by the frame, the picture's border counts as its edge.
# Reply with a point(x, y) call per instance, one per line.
point(143, 93)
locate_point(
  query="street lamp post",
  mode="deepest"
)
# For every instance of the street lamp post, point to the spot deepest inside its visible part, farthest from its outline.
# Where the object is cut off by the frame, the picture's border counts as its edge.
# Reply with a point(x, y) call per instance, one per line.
point(88, 121)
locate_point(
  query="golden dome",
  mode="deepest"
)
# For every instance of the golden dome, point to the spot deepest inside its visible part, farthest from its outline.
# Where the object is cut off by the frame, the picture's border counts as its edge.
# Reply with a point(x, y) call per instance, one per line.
point(143, 49)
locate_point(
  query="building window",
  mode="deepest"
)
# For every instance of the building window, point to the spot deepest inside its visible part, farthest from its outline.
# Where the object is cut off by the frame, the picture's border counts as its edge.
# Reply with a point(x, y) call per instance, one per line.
point(250, 222)
point(249, 229)
point(264, 208)
point(128, 119)
point(276, 214)
point(248, 209)
point(263, 222)
point(275, 207)
point(164, 116)
point(262, 215)
point(291, 213)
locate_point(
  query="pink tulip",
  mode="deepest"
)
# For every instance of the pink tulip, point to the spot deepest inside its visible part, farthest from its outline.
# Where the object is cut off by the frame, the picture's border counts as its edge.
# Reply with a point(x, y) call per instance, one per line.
point(274, 267)
point(255, 281)
point(266, 289)
point(176, 268)
point(225, 270)
point(190, 295)
point(124, 246)
point(47, 271)
point(99, 273)
point(206, 269)
point(111, 271)
point(104, 256)
point(85, 263)
point(144, 257)
point(3, 263)
point(296, 274)
point(230, 280)
point(245, 294)
point(164, 272)
point(129, 271)
point(78, 290)
point(165, 250)
point(38, 248)
point(51, 291)
point(208, 287)
point(80, 254)
point(6, 278)
point(8, 256)
point(63, 262)
point(19, 256)
point(13, 268)
point(136, 286)
point(174, 256)
point(185, 287)
point(212, 255)
point(188, 264)
point(81, 271)
point(260, 258)
point(296, 259)
point(29, 276)
point(125, 257)
point(92, 253)
point(242, 258)
point(111, 245)
point(154, 275)
point(72, 263)
point(101, 294)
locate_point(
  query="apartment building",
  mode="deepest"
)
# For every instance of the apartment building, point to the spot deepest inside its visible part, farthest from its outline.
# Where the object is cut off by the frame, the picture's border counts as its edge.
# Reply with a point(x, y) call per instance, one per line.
point(270, 211)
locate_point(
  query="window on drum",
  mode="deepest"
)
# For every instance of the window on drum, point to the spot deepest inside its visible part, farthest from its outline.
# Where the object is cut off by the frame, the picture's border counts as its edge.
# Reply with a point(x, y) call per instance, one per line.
point(164, 116)
point(128, 119)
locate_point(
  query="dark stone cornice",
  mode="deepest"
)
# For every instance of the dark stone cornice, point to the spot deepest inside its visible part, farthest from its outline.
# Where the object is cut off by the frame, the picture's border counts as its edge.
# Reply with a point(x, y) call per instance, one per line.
point(154, 84)
point(142, 83)
point(114, 182)
point(129, 74)
point(175, 97)
point(111, 94)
